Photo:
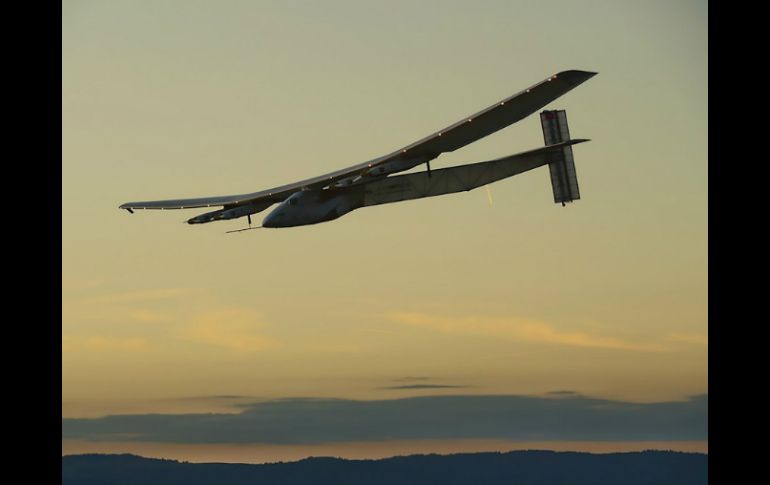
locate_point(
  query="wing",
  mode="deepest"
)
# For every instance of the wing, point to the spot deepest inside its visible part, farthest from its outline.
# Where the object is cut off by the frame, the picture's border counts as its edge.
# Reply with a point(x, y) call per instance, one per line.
point(457, 135)
point(496, 117)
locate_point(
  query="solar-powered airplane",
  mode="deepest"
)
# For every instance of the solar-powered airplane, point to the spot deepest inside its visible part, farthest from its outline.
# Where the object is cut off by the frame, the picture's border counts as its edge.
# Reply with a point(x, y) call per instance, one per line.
point(330, 196)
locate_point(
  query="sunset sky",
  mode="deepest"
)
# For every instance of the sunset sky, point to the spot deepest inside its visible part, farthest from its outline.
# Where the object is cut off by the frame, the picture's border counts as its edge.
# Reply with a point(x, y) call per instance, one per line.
point(504, 296)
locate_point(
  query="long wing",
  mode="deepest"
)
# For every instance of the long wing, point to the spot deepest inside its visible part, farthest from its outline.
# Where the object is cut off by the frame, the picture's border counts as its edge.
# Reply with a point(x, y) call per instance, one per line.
point(457, 135)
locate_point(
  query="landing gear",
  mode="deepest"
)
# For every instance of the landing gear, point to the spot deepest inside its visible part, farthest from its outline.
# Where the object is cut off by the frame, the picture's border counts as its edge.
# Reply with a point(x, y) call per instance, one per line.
point(428, 164)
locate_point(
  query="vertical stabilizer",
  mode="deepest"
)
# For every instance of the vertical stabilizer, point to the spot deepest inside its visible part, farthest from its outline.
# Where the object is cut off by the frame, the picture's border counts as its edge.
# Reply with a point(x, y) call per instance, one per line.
point(563, 175)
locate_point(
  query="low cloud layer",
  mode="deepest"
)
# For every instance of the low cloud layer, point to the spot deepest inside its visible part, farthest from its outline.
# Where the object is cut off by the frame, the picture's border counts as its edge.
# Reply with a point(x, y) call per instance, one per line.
point(424, 386)
point(223, 397)
point(520, 330)
point(524, 418)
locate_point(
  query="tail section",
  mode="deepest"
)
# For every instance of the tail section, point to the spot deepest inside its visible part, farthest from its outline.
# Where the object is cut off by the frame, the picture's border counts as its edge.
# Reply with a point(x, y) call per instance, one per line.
point(454, 179)
point(563, 175)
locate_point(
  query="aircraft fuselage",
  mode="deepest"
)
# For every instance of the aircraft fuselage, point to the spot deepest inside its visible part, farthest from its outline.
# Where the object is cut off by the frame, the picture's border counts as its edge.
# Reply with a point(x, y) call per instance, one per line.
point(313, 206)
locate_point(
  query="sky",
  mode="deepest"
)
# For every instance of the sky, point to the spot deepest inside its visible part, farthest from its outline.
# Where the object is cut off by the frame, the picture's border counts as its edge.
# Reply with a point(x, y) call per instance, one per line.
point(500, 296)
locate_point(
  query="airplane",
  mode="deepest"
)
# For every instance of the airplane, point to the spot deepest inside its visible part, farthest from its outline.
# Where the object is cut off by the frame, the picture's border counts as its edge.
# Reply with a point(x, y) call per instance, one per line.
point(332, 195)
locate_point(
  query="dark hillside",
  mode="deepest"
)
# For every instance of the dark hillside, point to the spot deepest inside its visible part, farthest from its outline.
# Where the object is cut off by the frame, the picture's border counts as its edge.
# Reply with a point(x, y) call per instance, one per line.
point(516, 467)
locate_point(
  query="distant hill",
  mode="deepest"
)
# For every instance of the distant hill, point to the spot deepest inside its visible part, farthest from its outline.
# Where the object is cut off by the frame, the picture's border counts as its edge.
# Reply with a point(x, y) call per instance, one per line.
point(515, 467)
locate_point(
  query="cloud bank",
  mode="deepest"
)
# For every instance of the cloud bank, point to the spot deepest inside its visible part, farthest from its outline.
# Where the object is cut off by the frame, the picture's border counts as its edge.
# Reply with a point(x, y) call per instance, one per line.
point(308, 420)
point(424, 386)
point(519, 330)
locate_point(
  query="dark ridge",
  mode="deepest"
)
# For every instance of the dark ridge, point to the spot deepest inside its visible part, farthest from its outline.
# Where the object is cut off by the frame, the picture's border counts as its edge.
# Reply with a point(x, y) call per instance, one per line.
point(515, 467)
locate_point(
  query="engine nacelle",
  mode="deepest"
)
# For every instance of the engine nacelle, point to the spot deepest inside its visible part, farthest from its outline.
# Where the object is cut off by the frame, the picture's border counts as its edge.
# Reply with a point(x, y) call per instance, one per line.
point(230, 213)
point(204, 218)
point(244, 210)
point(347, 181)
point(395, 166)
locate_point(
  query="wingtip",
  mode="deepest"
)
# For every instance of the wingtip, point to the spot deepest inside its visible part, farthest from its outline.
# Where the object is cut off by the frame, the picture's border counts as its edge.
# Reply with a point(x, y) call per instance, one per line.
point(579, 72)
point(576, 76)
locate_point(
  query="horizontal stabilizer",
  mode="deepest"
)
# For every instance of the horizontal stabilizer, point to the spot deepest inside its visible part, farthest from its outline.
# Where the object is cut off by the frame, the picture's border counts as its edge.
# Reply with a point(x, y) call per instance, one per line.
point(458, 179)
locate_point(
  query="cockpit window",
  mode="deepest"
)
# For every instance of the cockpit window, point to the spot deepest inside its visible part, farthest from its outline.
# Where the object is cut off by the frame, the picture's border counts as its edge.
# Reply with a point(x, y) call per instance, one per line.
point(293, 201)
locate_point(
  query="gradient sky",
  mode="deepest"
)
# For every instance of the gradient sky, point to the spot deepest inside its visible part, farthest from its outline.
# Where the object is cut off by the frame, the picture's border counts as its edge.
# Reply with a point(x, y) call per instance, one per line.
point(445, 296)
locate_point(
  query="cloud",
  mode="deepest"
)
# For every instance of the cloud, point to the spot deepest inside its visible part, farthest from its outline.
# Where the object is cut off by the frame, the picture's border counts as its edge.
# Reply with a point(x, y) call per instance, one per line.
point(147, 316)
point(234, 329)
point(419, 382)
point(153, 294)
point(152, 306)
point(225, 397)
point(103, 344)
point(187, 314)
point(307, 420)
point(690, 338)
point(425, 386)
point(518, 329)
